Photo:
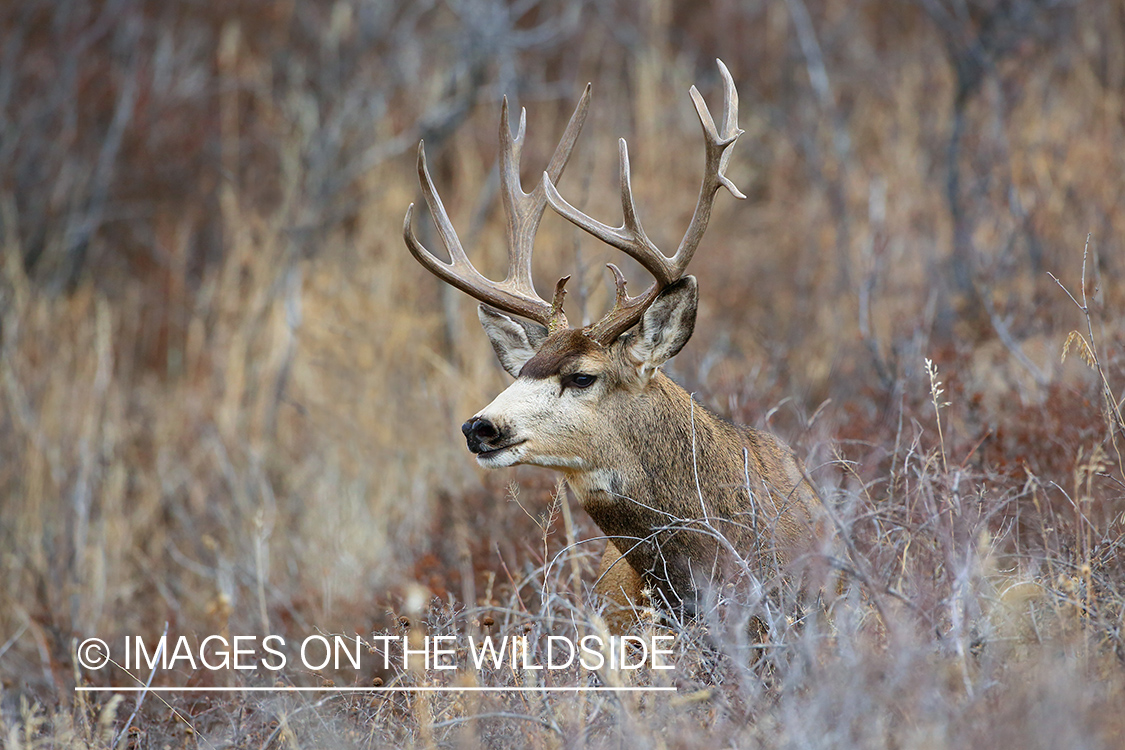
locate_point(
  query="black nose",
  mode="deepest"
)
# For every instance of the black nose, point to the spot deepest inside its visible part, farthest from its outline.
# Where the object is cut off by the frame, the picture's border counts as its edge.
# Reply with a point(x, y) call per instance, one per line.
point(478, 430)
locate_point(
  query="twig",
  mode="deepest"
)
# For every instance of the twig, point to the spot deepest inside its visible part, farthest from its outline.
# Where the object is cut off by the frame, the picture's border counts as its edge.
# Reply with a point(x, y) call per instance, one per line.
point(935, 393)
point(8, 644)
point(546, 724)
point(140, 701)
point(1112, 405)
point(1005, 335)
point(284, 723)
point(845, 537)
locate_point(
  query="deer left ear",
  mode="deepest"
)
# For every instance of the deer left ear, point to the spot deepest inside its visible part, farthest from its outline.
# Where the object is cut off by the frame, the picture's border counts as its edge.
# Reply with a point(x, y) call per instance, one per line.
point(513, 340)
point(666, 325)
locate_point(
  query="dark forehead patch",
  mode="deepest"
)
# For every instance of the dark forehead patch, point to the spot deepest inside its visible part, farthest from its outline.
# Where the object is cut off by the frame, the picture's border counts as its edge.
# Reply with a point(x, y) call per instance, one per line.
point(560, 349)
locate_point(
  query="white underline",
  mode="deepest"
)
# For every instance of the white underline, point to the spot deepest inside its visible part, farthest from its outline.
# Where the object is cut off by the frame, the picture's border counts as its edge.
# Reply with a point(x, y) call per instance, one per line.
point(436, 689)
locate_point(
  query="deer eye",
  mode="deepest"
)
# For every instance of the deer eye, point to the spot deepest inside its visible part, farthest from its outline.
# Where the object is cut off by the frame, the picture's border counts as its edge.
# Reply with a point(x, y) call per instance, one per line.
point(579, 380)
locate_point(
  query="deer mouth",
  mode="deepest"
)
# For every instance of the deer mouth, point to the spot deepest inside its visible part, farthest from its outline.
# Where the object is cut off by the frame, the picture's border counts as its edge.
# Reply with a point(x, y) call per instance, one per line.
point(491, 453)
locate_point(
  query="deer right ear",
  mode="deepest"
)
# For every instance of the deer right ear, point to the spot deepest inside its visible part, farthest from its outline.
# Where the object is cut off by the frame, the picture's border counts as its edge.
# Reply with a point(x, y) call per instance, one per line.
point(514, 340)
point(666, 326)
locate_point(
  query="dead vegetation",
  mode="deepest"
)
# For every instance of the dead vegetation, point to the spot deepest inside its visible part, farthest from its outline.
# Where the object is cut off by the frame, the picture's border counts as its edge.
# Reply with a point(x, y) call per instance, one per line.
point(229, 397)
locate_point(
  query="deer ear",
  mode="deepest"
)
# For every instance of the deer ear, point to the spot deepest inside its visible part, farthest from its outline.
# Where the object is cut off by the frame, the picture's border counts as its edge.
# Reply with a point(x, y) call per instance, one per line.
point(666, 325)
point(513, 340)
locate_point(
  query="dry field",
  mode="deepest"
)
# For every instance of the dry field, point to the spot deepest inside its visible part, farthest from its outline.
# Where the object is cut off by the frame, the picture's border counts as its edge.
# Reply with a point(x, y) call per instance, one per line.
point(230, 399)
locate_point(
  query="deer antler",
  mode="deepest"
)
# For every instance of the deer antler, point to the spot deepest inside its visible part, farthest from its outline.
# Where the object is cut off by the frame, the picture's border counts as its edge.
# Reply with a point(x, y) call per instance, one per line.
point(516, 293)
point(630, 237)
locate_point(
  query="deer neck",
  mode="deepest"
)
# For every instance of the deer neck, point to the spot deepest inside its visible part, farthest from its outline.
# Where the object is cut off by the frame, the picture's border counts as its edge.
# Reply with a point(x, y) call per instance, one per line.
point(666, 453)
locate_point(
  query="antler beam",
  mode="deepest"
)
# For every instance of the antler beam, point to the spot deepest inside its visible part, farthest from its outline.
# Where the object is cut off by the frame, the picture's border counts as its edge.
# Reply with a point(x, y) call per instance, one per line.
point(516, 293)
point(630, 237)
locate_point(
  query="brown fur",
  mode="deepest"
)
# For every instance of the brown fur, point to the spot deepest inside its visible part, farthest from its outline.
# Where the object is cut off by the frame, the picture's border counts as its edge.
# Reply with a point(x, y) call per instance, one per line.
point(673, 490)
point(556, 353)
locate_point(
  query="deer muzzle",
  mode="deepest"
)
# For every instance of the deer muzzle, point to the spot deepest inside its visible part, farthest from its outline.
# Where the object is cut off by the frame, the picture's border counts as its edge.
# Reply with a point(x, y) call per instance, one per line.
point(481, 435)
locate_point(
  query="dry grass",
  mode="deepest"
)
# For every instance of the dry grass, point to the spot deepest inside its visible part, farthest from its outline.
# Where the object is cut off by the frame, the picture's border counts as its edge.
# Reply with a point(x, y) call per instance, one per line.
point(229, 398)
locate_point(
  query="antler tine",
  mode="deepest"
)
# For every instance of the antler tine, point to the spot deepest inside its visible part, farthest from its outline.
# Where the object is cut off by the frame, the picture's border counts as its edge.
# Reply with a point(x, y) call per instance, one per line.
point(525, 210)
point(718, 155)
point(731, 131)
point(457, 257)
point(515, 200)
point(460, 272)
point(562, 152)
point(516, 293)
point(630, 236)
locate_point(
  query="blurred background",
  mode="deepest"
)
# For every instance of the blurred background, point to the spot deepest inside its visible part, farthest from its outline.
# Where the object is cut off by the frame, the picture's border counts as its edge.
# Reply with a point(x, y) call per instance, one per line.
point(230, 399)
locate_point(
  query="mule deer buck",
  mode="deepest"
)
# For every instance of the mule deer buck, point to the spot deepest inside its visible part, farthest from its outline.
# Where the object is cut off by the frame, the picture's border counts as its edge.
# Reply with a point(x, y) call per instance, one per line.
point(677, 490)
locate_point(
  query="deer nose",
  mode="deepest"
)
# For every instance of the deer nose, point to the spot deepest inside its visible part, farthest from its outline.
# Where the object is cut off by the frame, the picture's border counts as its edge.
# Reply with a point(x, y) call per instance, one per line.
point(479, 430)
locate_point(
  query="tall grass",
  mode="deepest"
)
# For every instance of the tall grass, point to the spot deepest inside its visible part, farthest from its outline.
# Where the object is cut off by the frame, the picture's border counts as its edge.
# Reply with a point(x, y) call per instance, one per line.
point(229, 398)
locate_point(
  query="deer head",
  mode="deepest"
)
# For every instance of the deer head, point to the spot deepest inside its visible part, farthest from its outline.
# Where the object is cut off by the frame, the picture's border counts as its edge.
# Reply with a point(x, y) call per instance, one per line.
point(571, 383)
